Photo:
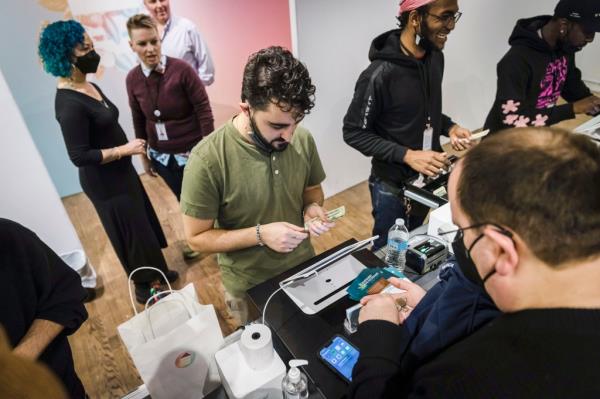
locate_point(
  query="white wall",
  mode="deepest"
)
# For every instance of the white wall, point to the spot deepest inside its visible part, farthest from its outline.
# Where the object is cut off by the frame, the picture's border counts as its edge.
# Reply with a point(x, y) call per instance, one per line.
point(589, 63)
point(334, 38)
point(28, 195)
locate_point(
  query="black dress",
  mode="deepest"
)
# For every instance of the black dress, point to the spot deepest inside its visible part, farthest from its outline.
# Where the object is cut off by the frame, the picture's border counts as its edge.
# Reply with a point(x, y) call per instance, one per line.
point(88, 126)
point(37, 284)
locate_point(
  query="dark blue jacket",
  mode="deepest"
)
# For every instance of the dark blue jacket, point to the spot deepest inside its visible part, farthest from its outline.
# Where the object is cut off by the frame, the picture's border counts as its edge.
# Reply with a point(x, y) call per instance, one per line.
point(451, 310)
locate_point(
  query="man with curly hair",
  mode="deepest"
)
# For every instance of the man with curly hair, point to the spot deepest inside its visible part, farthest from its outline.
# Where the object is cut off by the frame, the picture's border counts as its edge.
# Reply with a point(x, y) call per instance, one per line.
point(252, 189)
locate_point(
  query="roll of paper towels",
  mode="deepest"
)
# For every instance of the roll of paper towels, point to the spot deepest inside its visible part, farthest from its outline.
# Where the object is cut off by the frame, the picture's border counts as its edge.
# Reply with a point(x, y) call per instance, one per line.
point(256, 345)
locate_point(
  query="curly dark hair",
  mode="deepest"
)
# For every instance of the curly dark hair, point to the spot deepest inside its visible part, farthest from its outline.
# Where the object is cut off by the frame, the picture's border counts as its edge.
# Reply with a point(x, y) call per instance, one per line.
point(403, 18)
point(273, 75)
point(56, 45)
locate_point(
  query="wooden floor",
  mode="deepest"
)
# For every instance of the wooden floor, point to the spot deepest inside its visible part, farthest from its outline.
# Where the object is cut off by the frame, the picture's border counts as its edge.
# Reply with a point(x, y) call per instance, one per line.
point(101, 359)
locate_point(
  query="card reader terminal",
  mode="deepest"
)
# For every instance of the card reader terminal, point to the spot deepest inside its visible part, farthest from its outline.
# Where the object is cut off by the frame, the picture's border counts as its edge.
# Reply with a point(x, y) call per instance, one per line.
point(426, 254)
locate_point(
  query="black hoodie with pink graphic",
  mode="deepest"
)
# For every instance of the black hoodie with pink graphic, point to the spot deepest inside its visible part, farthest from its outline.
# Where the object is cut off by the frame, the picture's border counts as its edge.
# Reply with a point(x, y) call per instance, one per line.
point(531, 78)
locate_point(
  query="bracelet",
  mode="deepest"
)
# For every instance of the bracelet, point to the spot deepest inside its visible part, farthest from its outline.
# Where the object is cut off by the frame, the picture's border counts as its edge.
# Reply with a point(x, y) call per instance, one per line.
point(258, 237)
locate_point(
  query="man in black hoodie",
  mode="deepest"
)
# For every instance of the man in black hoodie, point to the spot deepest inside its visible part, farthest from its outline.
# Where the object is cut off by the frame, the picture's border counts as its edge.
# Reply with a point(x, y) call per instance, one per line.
point(396, 113)
point(540, 67)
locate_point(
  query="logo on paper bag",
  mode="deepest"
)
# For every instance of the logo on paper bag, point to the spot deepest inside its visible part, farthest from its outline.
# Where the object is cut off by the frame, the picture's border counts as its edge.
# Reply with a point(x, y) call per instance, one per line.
point(184, 360)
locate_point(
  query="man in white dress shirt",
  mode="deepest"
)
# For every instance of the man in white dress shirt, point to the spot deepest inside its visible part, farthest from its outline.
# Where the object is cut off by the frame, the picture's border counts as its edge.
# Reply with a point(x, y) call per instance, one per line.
point(181, 39)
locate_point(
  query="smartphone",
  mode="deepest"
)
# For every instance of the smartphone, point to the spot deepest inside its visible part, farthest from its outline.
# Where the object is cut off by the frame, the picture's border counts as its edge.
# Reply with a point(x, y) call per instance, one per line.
point(340, 356)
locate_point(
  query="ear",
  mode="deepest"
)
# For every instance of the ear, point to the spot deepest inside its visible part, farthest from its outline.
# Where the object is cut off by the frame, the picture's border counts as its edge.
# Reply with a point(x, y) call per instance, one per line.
point(414, 18)
point(130, 44)
point(508, 257)
point(245, 107)
point(563, 27)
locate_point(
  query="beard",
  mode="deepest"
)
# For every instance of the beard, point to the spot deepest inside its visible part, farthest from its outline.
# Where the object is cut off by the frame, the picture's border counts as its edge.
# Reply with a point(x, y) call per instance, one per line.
point(424, 38)
point(279, 145)
point(569, 48)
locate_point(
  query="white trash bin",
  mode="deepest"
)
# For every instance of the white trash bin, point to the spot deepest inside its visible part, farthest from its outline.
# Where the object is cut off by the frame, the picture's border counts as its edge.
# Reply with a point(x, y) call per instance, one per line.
point(81, 264)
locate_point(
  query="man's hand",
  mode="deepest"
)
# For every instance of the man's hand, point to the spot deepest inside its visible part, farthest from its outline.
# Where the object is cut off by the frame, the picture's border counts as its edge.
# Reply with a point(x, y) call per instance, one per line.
point(315, 218)
point(429, 163)
point(147, 164)
point(282, 236)
point(589, 105)
point(460, 138)
point(413, 295)
point(379, 307)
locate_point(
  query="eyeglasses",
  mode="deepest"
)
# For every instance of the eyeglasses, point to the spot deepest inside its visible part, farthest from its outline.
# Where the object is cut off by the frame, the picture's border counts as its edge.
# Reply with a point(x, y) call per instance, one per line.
point(448, 18)
point(460, 232)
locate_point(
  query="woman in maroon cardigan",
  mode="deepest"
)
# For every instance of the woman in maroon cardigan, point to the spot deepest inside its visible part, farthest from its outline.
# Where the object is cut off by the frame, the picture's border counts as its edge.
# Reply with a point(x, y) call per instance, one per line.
point(169, 105)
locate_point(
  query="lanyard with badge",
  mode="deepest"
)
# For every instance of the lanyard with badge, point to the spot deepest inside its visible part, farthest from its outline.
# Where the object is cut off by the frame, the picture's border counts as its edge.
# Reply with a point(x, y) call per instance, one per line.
point(159, 125)
point(428, 132)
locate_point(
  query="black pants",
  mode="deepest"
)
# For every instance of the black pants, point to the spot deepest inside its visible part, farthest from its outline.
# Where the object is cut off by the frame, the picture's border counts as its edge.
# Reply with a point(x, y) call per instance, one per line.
point(172, 174)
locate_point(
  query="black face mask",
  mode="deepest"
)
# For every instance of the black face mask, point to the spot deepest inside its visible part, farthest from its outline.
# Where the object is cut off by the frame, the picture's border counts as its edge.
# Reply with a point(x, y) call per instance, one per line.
point(88, 63)
point(261, 142)
point(466, 264)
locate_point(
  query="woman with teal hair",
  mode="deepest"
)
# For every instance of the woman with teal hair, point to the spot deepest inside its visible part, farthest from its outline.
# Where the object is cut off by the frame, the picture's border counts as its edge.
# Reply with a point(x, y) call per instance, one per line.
point(98, 146)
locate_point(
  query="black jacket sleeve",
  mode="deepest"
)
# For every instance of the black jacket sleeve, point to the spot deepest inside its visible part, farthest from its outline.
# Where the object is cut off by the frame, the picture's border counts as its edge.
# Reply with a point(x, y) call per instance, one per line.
point(377, 372)
point(574, 88)
point(359, 122)
point(75, 126)
point(41, 285)
point(60, 294)
point(512, 102)
point(447, 124)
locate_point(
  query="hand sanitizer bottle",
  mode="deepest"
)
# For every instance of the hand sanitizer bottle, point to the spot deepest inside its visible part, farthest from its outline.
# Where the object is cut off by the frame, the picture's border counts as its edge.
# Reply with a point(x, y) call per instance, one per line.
point(295, 383)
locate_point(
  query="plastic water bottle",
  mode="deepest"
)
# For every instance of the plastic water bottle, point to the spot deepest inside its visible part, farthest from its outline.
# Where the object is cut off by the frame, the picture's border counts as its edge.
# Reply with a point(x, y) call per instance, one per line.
point(397, 245)
point(295, 383)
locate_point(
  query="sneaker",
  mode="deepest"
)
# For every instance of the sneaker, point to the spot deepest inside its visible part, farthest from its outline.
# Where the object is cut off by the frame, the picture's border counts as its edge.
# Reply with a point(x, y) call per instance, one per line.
point(90, 294)
point(172, 276)
point(142, 293)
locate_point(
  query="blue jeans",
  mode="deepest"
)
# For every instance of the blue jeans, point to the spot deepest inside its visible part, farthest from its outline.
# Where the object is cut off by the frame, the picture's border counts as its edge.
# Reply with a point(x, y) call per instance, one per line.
point(388, 205)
